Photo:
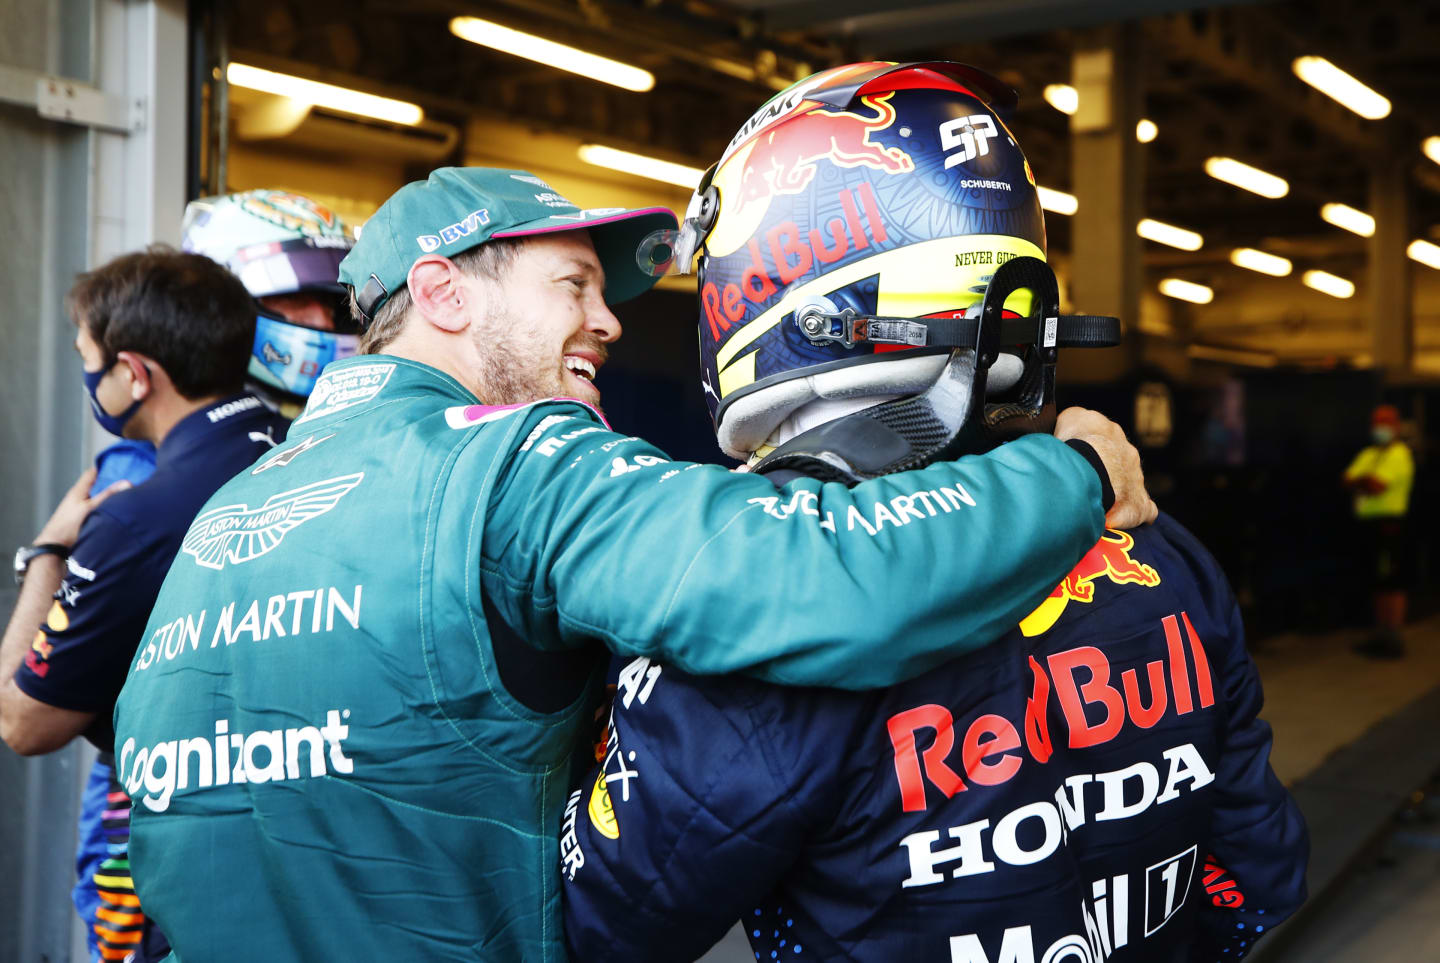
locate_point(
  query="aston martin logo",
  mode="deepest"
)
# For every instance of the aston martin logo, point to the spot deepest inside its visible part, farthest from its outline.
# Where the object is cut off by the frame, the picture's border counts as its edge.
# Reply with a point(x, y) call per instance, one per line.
point(239, 533)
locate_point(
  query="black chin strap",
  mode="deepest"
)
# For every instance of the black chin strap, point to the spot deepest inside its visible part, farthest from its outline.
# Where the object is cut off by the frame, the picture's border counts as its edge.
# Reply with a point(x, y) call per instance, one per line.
point(950, 418)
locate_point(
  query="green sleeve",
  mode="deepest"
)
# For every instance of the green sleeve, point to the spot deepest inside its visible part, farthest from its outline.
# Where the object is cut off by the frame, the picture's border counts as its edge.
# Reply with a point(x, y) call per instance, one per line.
point(589, 534)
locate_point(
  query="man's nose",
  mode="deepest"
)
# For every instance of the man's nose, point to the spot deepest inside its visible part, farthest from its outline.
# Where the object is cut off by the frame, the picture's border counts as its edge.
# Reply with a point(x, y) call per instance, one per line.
point(601, 321)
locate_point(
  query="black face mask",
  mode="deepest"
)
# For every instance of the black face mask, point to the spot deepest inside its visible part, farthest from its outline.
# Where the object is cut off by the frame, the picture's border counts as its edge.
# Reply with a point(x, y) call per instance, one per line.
point(115, 424)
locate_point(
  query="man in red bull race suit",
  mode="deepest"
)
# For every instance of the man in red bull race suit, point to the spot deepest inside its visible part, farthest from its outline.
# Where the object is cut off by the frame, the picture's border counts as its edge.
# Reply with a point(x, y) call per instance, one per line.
point(1095, 786)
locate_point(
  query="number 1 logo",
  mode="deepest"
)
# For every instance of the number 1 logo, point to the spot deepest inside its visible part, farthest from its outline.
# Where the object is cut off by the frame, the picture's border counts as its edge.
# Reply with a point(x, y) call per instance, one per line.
point(1167, 885)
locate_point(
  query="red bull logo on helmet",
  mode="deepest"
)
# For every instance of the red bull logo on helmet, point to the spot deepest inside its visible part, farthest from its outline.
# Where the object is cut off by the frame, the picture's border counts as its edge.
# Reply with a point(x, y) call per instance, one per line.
point(782, 160)
point(1110, 558)
point(789, 254)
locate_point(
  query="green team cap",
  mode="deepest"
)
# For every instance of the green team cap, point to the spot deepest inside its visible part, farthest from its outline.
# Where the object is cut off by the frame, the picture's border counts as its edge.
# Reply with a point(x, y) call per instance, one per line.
point(457, 208)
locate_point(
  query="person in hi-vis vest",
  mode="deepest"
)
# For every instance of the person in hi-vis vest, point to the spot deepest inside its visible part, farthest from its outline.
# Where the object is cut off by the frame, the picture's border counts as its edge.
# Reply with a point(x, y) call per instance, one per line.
point(1381, 477)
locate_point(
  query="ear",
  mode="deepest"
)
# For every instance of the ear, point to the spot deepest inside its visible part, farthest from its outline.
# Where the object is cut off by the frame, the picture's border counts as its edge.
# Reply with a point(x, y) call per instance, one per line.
point(439, 291)
point(142, 381)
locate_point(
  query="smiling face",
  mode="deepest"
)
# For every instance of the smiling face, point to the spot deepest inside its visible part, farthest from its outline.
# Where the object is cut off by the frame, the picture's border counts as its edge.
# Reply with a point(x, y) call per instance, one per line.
point(545, 329)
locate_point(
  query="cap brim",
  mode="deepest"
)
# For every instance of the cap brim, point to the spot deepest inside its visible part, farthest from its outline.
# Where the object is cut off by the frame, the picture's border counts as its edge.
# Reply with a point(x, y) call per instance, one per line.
point(617, 234)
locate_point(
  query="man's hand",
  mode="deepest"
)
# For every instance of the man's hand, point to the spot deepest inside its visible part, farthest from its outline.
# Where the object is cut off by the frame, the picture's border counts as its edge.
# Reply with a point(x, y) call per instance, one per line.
point(63, 528)
point(1122, 461)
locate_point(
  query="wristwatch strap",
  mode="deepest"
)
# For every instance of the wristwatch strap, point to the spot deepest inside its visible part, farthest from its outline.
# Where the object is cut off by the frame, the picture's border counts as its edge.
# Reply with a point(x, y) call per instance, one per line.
point(26, 554)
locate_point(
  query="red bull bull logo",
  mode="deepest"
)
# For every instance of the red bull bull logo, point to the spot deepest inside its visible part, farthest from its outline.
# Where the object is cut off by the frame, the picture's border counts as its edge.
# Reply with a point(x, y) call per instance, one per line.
point(1110, 558)
point(782, 160)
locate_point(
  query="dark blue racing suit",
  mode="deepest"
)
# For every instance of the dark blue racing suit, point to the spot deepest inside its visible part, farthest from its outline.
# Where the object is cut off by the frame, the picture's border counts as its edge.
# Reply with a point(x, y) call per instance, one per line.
point(1096, 787)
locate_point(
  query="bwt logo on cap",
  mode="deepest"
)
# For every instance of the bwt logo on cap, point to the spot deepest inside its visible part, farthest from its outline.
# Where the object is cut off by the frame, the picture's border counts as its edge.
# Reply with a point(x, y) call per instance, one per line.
point(454, 232)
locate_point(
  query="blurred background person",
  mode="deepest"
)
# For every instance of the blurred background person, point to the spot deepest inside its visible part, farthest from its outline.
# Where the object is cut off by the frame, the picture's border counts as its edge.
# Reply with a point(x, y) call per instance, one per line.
point(1381, 477)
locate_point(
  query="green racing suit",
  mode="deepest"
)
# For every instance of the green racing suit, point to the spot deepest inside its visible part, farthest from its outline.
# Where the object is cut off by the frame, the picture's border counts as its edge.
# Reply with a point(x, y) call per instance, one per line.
point(324, 755)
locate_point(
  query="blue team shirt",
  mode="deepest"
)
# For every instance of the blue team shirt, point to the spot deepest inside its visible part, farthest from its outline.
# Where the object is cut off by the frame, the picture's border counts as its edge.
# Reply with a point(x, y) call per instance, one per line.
point(82, 652)
point(1095, 787)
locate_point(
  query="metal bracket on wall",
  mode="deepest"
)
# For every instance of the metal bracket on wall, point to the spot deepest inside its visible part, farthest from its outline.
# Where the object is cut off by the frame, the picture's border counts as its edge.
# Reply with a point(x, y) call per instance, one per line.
point(70, 101)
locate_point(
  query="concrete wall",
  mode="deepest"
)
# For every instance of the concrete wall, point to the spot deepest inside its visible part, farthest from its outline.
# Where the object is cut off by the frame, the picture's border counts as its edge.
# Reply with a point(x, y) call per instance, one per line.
point(44, 197)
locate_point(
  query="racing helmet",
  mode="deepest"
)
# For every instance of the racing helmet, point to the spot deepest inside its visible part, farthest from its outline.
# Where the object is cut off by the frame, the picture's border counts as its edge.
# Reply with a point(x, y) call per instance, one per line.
point(872, 189)
point(286, 249)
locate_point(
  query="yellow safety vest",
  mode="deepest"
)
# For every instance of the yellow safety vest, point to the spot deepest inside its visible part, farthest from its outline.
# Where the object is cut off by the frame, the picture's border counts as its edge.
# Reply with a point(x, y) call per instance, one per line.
point(1394, 466)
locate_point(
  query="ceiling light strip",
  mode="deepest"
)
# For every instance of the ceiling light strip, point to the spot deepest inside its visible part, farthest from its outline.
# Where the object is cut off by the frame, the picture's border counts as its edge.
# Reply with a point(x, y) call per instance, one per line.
point(319, 94)
point(1340, 87)
point(1243, 176)
point(1162, 233)
point(1327, 283)
point(552, 54)
point(1261, 261)
point(1062, 97)
point(1187, 291)
point(1346, 217)
point(640, 165)
point(1426, 253)
point(1057, 202)
point(1431, 147)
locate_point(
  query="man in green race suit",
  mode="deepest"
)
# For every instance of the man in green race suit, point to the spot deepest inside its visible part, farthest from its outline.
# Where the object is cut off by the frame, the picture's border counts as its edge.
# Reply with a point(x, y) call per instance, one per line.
point(350, 727)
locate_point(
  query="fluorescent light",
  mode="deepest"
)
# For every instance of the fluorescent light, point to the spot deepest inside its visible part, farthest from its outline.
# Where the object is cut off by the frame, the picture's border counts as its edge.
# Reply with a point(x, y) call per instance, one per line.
point(1345, 216)
point(1186, 291)
point(1339, 86)
point(641, 166)
point(1426, 253)
point(1431, 147)
point(1326, 283)
point(324, 95)
point(1271, 264)
point(1248, 178)
point(1146, 131)
point(1058, 201)
point(1162, 233)
point(551, 54)
point(1062, 97)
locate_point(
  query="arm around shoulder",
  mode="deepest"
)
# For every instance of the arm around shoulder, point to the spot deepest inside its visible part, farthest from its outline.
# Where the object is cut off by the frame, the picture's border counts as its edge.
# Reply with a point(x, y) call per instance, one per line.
point(812, 584)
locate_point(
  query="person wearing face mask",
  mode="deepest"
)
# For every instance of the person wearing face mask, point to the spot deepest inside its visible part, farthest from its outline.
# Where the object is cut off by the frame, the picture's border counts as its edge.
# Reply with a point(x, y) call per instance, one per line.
point(1381, 477)
point(164, 338)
